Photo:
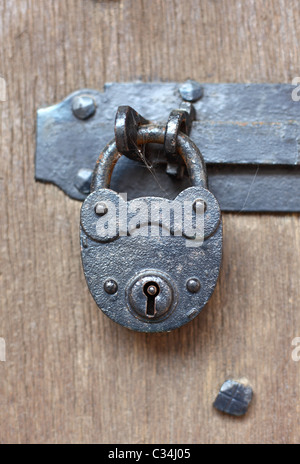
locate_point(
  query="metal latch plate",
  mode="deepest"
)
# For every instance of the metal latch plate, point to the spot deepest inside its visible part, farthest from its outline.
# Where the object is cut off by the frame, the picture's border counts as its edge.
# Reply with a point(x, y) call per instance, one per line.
point(249, 136)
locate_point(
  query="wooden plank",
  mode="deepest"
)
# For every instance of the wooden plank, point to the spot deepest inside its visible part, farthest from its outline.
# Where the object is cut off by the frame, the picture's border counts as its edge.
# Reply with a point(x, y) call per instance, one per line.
point(72, 375)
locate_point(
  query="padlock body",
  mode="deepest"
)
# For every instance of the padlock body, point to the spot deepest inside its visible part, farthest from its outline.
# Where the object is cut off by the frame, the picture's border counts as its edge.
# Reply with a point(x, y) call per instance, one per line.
point(135, 260)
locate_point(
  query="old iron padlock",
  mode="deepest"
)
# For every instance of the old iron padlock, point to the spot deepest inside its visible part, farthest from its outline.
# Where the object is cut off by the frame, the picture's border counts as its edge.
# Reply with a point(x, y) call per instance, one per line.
point(151, 274)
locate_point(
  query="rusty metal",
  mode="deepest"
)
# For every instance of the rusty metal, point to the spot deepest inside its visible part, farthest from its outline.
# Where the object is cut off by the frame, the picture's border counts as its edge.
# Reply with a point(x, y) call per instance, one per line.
point(234, 397)
point(248, 135)
point(180, 120)
point(154, 134)
point(127, 123)
point(149, 283)
point(147, 306)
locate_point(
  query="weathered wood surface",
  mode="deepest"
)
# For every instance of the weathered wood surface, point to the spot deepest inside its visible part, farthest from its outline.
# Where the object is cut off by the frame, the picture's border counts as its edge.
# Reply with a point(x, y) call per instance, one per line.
point(71, 374)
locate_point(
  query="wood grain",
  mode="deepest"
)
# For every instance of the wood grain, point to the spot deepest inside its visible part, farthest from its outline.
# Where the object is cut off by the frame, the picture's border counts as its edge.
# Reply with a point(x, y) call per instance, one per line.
point(72, 375)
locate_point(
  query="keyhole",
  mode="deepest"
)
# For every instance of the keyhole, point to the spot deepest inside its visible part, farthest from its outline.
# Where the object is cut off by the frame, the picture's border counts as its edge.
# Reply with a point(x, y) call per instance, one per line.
point(151, 290)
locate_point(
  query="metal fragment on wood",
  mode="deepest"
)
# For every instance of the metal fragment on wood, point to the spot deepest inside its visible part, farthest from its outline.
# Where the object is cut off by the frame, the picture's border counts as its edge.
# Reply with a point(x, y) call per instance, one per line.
point(234, 398)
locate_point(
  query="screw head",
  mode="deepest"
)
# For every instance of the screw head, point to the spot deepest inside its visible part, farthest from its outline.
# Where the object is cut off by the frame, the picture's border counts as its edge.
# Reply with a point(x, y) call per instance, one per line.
point(111, 286)
point(191, 91)
point(101, 208)
point(193, 285)
point(83, 180)
point(83, 106)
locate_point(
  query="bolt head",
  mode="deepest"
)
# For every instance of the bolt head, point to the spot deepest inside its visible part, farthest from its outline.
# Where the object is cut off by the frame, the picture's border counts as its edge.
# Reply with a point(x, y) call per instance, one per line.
point(193, 285)
point(111, 287)
point(83, 107)
point(101, 208)
point(191, 91)
point(83, 181)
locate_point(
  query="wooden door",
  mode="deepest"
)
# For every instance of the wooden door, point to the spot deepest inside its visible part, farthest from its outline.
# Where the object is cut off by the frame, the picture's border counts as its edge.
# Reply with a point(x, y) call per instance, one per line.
point(71, 375)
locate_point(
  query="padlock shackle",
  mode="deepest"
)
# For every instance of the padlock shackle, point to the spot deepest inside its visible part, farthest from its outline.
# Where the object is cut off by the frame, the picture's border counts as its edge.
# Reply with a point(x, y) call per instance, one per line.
point(151, 133)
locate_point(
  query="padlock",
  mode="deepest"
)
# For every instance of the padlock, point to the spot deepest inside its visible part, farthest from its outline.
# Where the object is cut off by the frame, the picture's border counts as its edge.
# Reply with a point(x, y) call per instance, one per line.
point(151, 264)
